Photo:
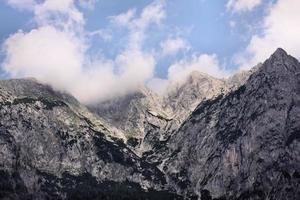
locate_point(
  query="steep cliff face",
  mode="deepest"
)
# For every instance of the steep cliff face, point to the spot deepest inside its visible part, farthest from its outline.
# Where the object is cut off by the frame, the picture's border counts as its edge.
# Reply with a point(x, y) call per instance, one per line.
point(184, 96)
point(136, 114)
point(146, 119)
point(180, 100)
point(50, 150)
point(240, 78)
point(245, 144)
point(129, 112)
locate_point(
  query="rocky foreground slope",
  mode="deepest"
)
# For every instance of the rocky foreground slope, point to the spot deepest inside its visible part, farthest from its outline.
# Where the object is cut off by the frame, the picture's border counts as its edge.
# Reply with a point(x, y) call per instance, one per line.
point(49, 149)
point(241, 141)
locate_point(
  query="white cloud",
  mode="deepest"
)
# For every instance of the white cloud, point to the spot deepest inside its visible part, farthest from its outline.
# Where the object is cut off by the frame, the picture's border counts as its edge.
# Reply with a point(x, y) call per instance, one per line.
point(123, 19)
point(56, 52)
point(158, 85)
point(135, 66)
point(172, 46)
point(51, 11)
point(179, 71)
point(153, 13)
point(45, 53)
point(281, 28)
point(59, 59)
point(61, 13)
point(204, 63)
point(89, 4)
point(22, 4)
point(104, 34)
point(242, 5)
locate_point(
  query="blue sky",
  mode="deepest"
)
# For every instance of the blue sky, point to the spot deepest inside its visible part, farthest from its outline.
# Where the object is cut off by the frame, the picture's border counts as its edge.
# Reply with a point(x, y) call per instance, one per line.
point(205, 24)
point(160, 40)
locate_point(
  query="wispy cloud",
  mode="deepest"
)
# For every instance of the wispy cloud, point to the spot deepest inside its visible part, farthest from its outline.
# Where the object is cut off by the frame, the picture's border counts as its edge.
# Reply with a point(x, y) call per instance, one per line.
point(89, 4)
point(154, 13)
point(22, 4)
point(239, 6)
point(171, 46)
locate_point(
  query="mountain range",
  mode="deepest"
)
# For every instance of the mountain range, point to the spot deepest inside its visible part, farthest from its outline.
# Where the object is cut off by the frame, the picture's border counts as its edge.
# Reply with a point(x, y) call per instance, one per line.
point(205, 138)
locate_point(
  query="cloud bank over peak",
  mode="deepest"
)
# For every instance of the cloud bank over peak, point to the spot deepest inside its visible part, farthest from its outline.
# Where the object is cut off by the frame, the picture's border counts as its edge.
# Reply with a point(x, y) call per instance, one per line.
point(56, 52)
point(204, 63)
point(182, 69)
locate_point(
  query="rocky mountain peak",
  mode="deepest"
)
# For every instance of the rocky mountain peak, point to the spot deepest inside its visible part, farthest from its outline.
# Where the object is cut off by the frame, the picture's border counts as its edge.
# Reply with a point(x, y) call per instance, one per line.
point(195, 76)
point(279, 53)
point(279, 71)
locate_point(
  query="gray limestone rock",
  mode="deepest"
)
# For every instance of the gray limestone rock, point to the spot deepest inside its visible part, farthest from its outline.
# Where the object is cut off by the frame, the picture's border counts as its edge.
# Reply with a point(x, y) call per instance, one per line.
point(49, 150)
point(245, 144)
